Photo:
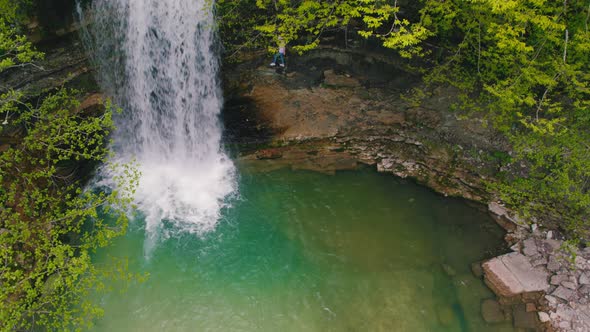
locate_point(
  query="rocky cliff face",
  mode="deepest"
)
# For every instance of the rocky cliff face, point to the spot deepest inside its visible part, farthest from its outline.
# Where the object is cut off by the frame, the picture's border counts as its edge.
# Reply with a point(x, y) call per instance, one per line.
point(327, 114)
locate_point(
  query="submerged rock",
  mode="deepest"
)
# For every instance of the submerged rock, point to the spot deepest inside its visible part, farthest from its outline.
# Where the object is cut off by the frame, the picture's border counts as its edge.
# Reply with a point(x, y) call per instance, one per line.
point(491, 311)
point(524, 319)
point(446, 316)
point(477, 269)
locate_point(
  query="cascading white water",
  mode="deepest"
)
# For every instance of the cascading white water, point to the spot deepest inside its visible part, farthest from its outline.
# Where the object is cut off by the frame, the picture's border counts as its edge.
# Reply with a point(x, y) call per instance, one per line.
point(157, 59)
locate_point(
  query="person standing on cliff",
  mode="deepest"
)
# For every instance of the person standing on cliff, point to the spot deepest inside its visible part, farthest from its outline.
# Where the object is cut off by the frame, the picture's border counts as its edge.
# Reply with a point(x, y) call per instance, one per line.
point(281, 54)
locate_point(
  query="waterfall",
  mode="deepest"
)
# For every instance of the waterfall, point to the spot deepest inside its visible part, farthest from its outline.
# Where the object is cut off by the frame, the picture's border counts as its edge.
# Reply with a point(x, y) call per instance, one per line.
point(157, 59)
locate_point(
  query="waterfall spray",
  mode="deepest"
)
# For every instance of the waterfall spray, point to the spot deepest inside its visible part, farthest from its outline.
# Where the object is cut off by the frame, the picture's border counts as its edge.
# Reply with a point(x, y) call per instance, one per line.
point(156, 58)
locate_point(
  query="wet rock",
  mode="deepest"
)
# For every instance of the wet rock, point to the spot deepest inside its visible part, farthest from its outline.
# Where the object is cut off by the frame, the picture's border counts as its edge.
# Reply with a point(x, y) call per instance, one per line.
point(512, 274)
point(563, 293)
point(491, 311)
point(530, 307)
point(502, 216)
point(269, 154)
point(524, 319)
point(477, 269)
point(92, 105)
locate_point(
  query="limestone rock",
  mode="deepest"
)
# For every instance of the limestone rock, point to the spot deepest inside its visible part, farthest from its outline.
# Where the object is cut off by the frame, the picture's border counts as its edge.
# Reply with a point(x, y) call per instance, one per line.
point(554, 264)
point(558, 279)
point(530, 247)
point(551, 245)
point(491, 311)
point(543, 317)
point(569, 284)
point(539, 260)
point(333, 79)
point(552, 300)
point(563, 293)
point(513, 274)
point(269, 154)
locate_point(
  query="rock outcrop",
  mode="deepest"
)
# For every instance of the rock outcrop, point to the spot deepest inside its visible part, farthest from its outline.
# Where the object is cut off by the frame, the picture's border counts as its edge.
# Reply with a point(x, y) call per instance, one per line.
point(512, 275)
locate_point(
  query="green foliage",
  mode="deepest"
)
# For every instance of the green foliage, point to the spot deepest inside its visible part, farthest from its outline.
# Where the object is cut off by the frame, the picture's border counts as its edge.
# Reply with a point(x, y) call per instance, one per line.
point(15, 50)
point(46, 272)
point(49, 225)
point(13, 10)
point(528, 63)
point(256, 23)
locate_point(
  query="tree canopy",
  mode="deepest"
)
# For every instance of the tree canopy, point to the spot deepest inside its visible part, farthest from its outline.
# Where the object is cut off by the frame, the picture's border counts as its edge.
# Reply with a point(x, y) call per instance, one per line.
point(523, 65)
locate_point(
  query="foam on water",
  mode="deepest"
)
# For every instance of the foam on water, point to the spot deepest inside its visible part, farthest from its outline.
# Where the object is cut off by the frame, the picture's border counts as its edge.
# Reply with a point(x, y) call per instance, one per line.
point(157, 59)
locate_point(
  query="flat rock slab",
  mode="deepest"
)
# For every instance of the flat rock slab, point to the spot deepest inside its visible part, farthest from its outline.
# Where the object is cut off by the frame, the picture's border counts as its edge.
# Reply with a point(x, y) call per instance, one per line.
point(512, 274)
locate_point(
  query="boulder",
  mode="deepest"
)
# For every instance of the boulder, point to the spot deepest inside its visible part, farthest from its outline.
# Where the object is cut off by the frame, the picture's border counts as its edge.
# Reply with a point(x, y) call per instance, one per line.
point(554, 264)
point(563, 293)
point(544, 317)
point(558, 279)
point(491, 311)
point(512, 274)
point(569, 284)
point(530, 247)
point(539, 260)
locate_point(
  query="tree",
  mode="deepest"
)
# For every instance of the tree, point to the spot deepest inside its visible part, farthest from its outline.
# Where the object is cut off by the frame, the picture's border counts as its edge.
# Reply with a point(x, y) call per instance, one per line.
point(526, 65)
point(303, 23)
point(49, 224)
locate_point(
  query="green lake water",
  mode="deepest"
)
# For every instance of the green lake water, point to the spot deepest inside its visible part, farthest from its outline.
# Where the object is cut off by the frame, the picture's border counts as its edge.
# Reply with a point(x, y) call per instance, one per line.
point(302, 251)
